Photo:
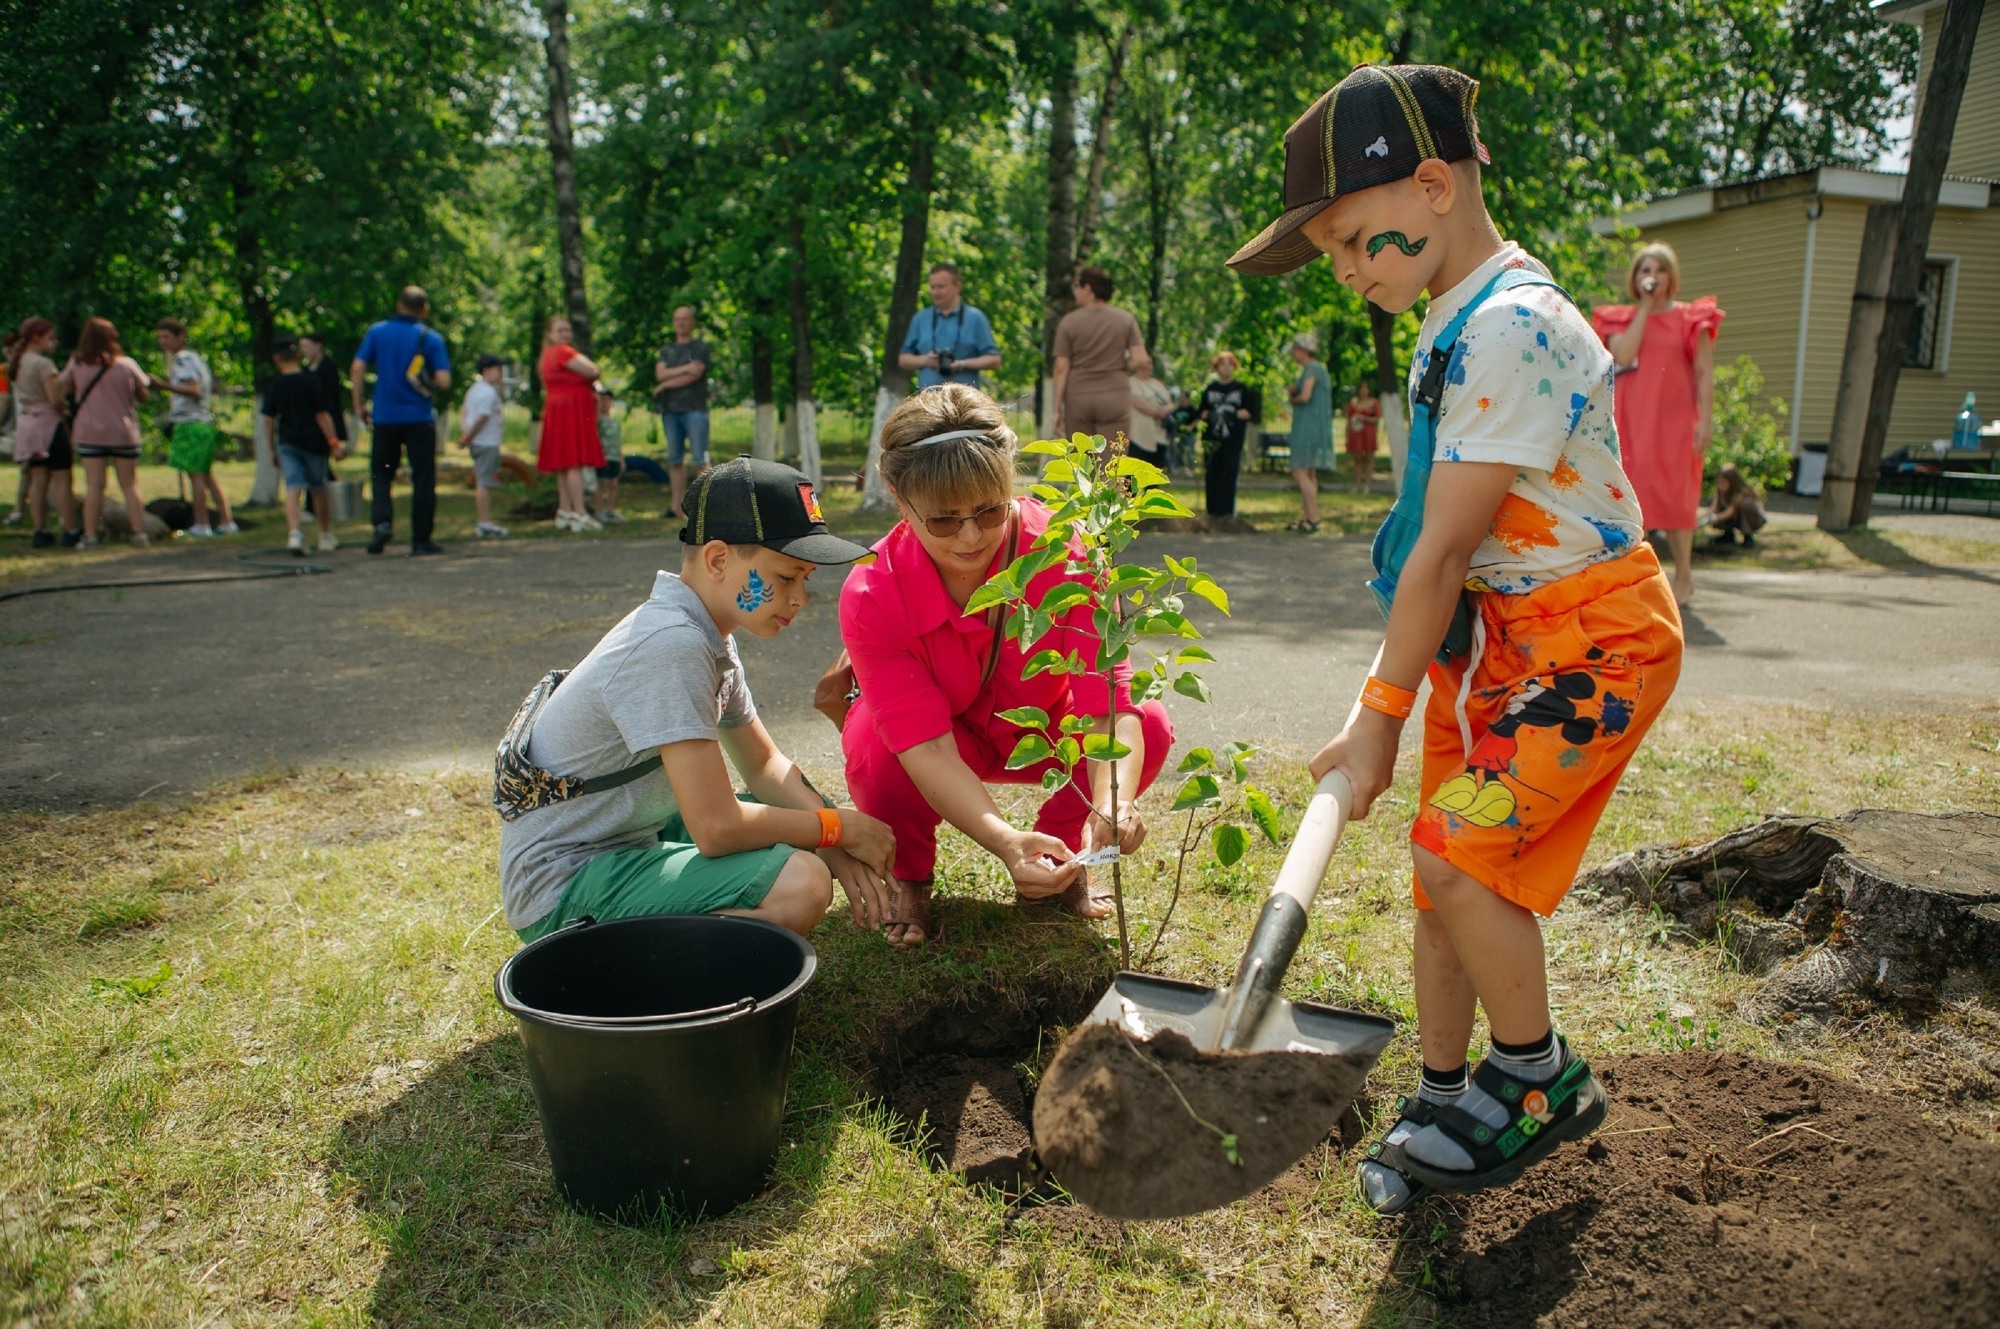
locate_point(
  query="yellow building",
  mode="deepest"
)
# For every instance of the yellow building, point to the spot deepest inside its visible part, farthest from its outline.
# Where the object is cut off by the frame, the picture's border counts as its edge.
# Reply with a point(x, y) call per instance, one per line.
point(1781, 255)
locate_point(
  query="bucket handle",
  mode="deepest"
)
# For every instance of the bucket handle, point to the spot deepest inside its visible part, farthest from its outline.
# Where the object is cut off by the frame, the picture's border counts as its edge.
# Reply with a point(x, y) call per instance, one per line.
point(741, 1006)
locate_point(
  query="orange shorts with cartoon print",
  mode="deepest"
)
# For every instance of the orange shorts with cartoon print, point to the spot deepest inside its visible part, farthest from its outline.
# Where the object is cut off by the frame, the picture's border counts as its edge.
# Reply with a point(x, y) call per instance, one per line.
point(1521, 758)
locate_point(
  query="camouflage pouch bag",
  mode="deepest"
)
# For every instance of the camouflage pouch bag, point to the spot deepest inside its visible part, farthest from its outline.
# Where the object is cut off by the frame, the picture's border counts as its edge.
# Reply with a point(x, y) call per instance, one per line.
point(520, 786)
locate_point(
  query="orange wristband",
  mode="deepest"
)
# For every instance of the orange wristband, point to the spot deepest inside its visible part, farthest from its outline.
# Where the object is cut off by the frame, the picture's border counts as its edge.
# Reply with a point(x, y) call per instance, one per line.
point(829, 828)
point(1388, 698)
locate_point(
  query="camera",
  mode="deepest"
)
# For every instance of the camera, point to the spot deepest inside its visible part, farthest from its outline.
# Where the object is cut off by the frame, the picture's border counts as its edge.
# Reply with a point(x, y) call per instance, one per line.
point(944, 363)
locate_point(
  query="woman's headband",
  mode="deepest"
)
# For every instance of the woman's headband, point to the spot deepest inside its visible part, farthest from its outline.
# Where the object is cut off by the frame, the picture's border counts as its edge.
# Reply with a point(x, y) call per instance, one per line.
point(951, 437)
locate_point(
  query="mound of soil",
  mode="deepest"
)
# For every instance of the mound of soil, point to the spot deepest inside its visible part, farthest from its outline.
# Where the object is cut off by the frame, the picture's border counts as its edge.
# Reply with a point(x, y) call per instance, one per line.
point(1120, 1121)
point(1729, 1190)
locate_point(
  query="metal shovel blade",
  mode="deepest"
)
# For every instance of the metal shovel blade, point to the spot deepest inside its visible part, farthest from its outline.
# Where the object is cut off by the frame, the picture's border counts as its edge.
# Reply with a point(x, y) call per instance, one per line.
point(1172, 1098)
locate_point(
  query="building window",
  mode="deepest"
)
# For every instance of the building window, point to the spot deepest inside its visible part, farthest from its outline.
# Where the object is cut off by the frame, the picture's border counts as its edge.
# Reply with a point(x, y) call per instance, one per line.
point(1927, 320)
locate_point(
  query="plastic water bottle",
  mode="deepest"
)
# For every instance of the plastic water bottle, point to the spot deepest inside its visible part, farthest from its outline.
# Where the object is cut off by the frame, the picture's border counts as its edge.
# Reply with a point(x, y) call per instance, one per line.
point(1965, 433)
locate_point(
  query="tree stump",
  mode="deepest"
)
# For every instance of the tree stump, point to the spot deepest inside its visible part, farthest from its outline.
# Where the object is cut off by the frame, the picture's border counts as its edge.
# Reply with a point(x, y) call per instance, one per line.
point(1895, 906)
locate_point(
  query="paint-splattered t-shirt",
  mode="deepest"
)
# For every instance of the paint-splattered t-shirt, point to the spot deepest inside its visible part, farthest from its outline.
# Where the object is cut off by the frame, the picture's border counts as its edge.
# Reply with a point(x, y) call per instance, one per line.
point(1530, 385)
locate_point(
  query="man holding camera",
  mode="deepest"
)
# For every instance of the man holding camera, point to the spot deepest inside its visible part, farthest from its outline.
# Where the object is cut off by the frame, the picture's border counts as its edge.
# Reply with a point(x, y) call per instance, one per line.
point(951, 341)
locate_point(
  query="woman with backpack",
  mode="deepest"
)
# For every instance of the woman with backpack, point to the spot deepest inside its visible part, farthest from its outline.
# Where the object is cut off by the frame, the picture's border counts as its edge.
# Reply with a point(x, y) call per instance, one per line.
point(106, 384)
point(41, 442)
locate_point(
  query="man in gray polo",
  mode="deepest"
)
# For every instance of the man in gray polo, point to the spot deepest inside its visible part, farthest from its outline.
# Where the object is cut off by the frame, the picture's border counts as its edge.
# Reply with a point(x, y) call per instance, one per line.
point(682, 394)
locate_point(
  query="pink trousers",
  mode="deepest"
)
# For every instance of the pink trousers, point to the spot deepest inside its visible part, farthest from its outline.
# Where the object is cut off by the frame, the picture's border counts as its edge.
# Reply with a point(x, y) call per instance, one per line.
point(880, 787)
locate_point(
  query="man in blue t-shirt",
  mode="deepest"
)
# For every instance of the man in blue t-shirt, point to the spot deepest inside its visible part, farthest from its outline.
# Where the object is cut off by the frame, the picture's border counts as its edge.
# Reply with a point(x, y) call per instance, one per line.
point(411, 367)
point(951, 341)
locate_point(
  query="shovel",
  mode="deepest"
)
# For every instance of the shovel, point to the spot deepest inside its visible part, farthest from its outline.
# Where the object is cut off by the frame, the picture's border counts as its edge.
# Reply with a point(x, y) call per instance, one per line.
point(1171, 1098)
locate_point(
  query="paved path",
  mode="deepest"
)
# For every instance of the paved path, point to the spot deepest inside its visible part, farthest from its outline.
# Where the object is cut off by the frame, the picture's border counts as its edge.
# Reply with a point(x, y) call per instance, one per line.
point(155, 692)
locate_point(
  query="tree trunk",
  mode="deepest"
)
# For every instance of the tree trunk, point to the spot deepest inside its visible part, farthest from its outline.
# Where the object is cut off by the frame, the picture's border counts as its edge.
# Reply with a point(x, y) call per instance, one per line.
point(1059, 252)
point(764, 438)
point(1159, 213)
point(247, 249)
point(562, 161)
point(1091, 204)
point(1389, 390)
point(895, 382)
point(802, 355)
point(1851, 474)
point(1895, 906)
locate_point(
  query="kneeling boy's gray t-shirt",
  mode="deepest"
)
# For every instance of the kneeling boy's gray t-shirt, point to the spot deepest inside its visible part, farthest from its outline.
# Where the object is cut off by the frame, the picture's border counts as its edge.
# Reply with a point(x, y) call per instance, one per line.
point(665, 674)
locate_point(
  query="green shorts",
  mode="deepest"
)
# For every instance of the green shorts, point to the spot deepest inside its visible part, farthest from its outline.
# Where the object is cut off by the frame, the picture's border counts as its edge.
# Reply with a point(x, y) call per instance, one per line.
point(670, 877)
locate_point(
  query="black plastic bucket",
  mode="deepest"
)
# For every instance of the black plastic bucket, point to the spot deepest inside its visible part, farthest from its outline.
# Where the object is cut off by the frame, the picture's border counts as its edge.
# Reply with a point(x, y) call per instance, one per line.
point(658, 1049)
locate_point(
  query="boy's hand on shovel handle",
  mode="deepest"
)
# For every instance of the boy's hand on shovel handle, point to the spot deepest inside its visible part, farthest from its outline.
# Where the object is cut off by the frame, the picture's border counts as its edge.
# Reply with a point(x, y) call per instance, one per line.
point(1365, 752)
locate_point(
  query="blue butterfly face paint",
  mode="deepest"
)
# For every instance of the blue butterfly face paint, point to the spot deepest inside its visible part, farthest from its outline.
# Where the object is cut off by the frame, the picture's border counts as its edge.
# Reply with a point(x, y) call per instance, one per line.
point(755, 594)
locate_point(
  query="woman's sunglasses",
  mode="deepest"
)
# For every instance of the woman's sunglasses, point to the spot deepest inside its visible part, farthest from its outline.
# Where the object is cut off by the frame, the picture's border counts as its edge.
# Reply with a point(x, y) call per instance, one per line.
point(944, 528)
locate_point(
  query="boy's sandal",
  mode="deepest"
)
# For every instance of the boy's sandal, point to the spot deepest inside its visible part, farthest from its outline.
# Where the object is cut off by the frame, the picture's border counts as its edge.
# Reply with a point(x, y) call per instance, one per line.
point(1545, 1116)
point(911, 901)
point(1395, 1199)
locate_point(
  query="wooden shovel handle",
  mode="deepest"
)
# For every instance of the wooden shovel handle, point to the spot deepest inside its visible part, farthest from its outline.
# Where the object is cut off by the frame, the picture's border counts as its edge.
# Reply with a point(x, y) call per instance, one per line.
point(1312, 848)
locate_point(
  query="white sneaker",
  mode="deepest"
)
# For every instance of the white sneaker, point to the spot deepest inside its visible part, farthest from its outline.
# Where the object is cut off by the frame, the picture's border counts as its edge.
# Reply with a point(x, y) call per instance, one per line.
point(87, 542)
point(16, 517)
point(201, 530)
point(488, 530)
point(295, 540)
point(229, 528)
point(585, 522)
point(328, 542)
point(611, 517)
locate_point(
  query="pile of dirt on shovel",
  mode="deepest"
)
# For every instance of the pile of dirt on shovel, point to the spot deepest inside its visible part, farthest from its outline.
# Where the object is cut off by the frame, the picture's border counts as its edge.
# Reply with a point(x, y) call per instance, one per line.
point(1726, 1190)
point(1135, 1128)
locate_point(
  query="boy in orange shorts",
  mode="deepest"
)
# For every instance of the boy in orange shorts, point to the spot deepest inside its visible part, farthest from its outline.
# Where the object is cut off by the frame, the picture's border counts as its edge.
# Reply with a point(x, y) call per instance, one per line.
point(1513, 571)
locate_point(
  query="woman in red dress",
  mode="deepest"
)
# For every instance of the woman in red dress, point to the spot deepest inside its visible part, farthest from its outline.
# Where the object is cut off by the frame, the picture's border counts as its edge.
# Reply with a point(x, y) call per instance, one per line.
point(1665, 402)
point(569, 424)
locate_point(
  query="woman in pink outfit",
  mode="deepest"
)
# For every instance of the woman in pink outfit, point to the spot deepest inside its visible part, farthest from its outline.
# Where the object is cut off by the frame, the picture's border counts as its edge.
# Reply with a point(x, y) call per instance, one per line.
point(925, 737)
point(1665, 352)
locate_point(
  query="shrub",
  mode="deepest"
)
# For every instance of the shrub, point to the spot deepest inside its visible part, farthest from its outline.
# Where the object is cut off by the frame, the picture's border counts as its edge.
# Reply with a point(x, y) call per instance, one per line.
point(1749, 428)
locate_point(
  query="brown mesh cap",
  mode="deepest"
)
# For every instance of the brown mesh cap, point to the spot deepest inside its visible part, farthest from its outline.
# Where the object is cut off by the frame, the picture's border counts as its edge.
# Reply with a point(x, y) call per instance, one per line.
point(1372, 128)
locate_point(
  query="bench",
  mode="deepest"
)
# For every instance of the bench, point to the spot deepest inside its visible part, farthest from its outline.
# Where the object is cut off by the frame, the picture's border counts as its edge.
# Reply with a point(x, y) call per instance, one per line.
point(1975, 485)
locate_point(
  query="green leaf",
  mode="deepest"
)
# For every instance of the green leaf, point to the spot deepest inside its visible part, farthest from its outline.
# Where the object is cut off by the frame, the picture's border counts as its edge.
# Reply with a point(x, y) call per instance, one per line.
point(1159, 503)
point(1263, 812)
point(1026, 717)
point(1144, 472)
point(1198, 791)
point(1042, 662)
point(1197, 759)
point(1069, 752)
point(1031, 750)
point(1045, 447)
point(140, 987)
point(1190, 685)
point(1191, 654)
point(1205, 586)
point(992, 593)
point(1231, 843)
point(1164, 623)
point(1054, 778)
point(1062, 595)
point(1238, 756)
point(1147, 686)
point(1072, 724)
point(1059, 472)
point(1103, 747)
point(1047, 493)
point(1230, 1151)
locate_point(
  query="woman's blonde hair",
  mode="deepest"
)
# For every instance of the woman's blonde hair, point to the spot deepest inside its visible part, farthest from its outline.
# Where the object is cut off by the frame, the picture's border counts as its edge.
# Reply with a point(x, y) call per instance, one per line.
point(963, 473)
point(1668, 259)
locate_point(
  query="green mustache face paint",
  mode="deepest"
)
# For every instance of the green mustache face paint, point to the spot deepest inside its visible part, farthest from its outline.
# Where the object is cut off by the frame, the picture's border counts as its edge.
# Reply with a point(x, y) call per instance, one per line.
point(1377, 243)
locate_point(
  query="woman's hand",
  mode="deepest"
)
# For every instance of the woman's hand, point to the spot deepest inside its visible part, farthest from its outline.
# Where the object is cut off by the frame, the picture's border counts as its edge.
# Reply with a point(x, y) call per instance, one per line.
point(1704, 434)
point(1365, 752)
point(867, 890)
point(1131, 832)
point(1027, 856)
point(866, 840)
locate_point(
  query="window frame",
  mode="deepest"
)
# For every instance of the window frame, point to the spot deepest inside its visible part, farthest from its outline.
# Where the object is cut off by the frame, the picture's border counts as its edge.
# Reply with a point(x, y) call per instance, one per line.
point(1945, 307)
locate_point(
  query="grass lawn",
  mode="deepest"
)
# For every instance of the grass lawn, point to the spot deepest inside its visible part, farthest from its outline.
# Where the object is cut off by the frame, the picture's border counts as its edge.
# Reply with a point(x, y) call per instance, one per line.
point(252, 1072)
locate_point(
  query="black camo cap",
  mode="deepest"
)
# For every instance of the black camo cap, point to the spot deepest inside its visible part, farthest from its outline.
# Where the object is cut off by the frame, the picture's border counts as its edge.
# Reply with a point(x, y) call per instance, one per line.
point(1375, 127)
point(752, 502)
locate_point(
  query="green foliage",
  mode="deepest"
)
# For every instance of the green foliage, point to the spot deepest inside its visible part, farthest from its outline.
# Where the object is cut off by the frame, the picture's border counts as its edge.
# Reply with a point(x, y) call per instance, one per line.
point(1097, 498)
point(1749, 428)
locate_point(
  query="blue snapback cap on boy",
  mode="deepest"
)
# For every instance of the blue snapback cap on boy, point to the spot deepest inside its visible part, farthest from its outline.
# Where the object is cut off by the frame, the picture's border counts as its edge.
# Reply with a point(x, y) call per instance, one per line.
point(752, 502)
point(1374, 127)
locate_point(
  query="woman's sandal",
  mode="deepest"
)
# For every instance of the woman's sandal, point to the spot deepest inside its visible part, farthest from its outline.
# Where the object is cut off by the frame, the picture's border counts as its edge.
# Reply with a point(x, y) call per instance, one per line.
point(1545, 1116)
point(911, 901)
point(1304, 527)
point(1391, 1198)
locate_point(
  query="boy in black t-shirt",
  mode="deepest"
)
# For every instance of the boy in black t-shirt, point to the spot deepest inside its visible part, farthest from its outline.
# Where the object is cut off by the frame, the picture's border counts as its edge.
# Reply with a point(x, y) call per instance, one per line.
point(296, 406)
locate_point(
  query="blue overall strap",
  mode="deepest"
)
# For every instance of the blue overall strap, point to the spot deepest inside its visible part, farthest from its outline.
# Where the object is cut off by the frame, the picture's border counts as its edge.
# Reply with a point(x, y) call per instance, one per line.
point(1405, 521)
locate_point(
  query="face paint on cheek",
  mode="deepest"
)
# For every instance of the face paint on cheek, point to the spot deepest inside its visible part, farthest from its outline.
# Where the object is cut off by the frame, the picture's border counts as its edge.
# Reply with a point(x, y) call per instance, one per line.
point(756, 593)
point(1377, 243)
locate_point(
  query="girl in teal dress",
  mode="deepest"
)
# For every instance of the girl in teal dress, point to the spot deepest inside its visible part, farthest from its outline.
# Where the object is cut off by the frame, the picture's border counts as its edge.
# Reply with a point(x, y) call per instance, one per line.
point(1311, 395)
